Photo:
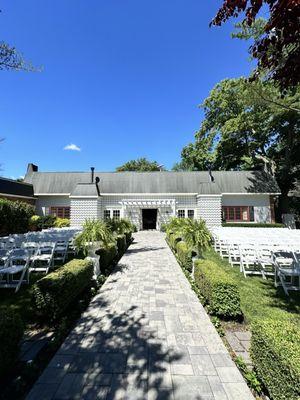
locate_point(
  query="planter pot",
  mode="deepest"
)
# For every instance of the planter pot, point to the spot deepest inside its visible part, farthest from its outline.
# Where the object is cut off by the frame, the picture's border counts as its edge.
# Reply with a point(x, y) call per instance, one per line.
point(92, 256)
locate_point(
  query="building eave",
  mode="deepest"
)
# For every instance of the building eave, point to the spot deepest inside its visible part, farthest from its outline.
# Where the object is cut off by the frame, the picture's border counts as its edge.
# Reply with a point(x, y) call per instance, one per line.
point(17, 196)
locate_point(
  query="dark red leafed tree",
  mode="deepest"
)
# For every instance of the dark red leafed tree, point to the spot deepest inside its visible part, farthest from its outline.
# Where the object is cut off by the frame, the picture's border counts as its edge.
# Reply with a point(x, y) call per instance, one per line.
point(278, 49)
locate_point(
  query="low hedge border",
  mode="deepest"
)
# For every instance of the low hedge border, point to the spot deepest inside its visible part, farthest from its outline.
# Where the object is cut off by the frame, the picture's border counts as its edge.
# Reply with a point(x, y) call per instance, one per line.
point(218, 289)
point(185, 255)
point(174, 238)
point(121, 244)
point(11, 332)
point(252, 225)
point(57, 290)
point(275, 351)
point(107, 255)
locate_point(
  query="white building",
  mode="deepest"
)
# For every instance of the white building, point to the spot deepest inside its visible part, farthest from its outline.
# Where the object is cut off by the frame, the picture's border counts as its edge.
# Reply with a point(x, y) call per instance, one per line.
point(149, 199)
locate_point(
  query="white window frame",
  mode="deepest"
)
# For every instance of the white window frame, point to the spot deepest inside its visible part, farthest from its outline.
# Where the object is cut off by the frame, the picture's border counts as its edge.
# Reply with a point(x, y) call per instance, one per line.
point(118, 211)
point(186, 212)
point(110, 213)
point(179, 211)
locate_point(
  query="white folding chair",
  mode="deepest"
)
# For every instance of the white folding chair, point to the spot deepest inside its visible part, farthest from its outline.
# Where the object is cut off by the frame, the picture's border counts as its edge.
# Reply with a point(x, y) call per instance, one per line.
point(287, 270)
point(265, 260)
point(234, 254)
point(4, 255)
point(61, 250)
point(248, 258)
point(17, 264)
point(43, 260)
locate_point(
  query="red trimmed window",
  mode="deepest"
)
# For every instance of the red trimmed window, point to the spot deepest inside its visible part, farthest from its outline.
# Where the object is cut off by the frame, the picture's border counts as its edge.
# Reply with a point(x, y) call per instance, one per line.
point(60, 212)
point(236, 213)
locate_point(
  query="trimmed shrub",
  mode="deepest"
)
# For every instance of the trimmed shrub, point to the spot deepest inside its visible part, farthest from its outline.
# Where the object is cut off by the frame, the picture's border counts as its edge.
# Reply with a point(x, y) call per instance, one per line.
point(275, 350)
point(14, 216)
point(61, 222)
point(128, 235)
point(57, 290)
point(174, 239)
point(218, 289)
point(11, 332)
point(252, 225)
point(107, 255)
point(185, 255)
point(46, 221)
point(121, 244)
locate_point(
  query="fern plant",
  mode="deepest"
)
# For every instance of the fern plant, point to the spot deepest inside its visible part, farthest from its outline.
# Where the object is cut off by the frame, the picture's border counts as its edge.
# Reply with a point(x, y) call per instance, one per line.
point(120, 226)
point(94, 234)
point(175, 225)
point(196, 234)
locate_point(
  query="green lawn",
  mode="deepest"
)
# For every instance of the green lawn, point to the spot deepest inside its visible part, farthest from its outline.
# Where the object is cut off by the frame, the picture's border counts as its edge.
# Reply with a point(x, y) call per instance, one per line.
point(21, 301)
point(259, 297)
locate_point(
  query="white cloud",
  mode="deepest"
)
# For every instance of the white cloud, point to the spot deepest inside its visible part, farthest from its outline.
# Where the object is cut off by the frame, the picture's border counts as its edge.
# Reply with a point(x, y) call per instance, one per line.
point(72, 147)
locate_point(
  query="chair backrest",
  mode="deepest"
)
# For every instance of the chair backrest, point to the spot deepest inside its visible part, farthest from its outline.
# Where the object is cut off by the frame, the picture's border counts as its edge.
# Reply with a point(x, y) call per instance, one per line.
point(30, 247)
point(283, 257)
point(46, 248)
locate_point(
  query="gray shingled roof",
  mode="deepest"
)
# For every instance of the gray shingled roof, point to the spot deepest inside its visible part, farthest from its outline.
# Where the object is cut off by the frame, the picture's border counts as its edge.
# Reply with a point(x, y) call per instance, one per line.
point(14, 188)
point(156, 182)
point(85, 190)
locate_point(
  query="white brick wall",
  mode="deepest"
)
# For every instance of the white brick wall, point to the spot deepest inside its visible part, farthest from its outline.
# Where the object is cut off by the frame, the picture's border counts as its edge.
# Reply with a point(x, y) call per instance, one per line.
point(82, 209)
point(209, 209)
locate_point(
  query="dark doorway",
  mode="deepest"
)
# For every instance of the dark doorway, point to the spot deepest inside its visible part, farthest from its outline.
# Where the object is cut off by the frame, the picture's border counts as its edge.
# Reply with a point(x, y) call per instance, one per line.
point(149, 218)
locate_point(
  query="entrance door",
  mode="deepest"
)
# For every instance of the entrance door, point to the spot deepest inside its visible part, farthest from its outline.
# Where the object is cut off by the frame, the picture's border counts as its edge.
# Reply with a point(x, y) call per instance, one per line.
point(149, 218)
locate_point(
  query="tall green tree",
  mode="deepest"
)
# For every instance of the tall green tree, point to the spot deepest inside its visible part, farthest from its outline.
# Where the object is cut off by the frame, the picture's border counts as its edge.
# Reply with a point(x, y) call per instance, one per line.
point(140, 164)
point(247, 125)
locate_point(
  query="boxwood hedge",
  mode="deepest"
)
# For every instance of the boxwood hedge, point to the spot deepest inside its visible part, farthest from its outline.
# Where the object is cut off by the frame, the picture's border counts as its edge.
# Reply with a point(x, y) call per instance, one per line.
point(11, 332)
point(121, 244)
point(57, 290)
point(107, 255)
point(185, 255)
point(128, 235)
point(218, 289)
point(174, 238)
point(275, 351)
point(14, 216)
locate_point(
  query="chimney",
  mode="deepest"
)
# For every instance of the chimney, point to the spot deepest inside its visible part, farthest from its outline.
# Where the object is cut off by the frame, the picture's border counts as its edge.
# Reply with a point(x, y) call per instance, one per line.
point(97, 180)
point(92, 174)
point(211, 178)
point(32, 168)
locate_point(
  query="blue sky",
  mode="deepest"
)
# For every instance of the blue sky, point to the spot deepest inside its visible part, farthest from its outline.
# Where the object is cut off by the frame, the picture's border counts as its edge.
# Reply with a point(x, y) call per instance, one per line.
point(121, 79)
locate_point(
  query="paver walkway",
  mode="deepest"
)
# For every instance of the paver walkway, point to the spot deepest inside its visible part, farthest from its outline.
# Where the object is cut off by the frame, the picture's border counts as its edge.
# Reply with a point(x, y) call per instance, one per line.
point(144, 336)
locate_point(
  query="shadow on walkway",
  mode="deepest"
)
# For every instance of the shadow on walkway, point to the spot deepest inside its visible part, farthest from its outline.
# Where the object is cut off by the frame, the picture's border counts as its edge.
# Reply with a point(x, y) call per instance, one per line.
point(114, 356)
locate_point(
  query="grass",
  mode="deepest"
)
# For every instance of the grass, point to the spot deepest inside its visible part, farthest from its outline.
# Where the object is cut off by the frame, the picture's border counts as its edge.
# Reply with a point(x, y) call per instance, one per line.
point(21, 302)
point(259, 297)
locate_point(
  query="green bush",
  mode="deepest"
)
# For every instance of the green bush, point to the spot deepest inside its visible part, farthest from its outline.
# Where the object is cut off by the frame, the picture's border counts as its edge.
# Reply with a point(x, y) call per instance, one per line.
point(57, 290)
point(46, 221)
point(185, 255)
point(14, 216)
point(218, 289)
point(11, 332)
point(61, 222)
point(121, 244)
point(107, 254)
point(252, 225)
point(128, 235)
point(34, 222)
point(174, 239)
point(94, 232)
point(275, 350)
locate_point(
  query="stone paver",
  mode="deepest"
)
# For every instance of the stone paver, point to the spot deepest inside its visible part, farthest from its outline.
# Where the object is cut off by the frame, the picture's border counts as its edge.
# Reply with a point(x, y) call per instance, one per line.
point(144, 336)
